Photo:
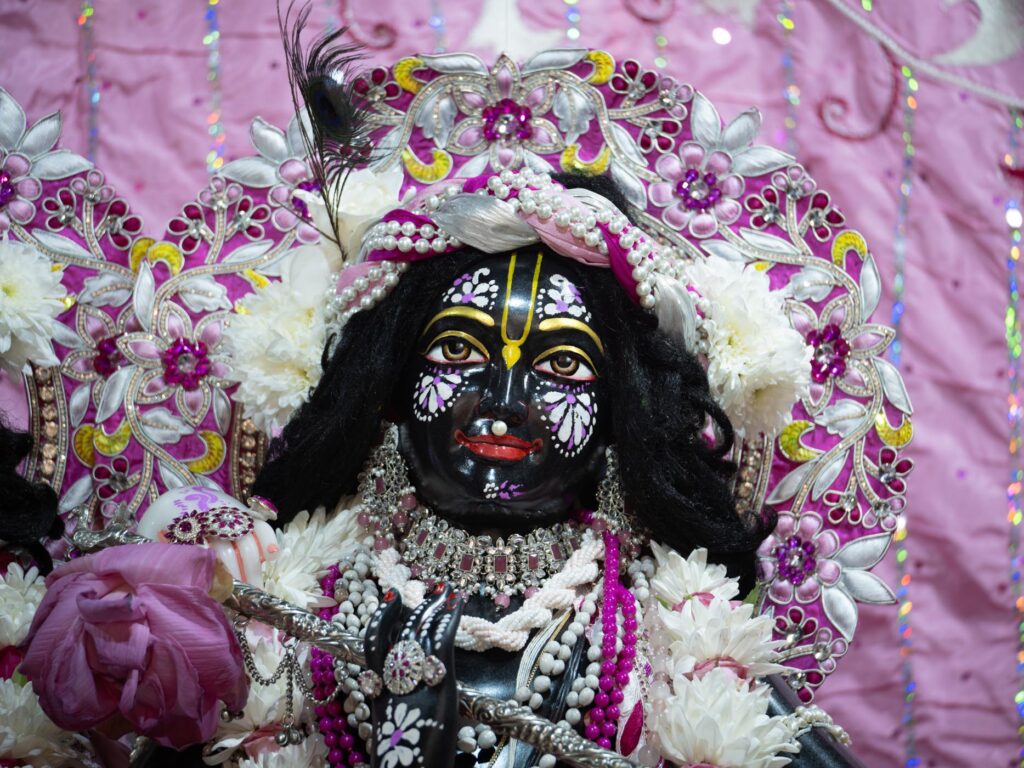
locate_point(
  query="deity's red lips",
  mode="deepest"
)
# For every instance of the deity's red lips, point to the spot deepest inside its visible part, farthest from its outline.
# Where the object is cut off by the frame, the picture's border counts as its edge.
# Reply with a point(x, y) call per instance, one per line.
point(504, 448)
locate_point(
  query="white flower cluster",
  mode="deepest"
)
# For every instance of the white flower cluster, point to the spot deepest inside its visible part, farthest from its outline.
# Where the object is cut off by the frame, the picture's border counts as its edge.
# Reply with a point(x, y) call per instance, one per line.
point(31, 297)
point(707, 706)
point(366, 197)
point(758, 364)
point(27, 735)
point(308, 545)
point(276, 340)
point(20, 595)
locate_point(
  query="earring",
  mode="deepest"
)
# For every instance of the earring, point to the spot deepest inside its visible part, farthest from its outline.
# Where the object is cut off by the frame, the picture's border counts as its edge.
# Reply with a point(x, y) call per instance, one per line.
point(386, 492)
point(611, 503)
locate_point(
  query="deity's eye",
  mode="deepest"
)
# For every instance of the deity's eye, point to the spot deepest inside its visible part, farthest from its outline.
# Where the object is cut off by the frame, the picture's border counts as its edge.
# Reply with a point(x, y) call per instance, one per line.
point(567, 363)
point(456, 347)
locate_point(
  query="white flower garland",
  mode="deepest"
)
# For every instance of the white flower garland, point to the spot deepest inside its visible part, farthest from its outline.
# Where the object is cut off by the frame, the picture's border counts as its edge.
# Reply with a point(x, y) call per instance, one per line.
point(26, 734)
point(706, 704)
point(31, 297)
point(20, 595)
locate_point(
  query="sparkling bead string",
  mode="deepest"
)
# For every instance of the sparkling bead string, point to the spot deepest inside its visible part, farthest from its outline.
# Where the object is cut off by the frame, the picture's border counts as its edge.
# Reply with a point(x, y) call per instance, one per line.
point(1015, 489)
point(572, 16)
point(899, 246)
point(791, 91)
point(437, 24)
point(215, 157)
point(661, 43)
point(92, 91)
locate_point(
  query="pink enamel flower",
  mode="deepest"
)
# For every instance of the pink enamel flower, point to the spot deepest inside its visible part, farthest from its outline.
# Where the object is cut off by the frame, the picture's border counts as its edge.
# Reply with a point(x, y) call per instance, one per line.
point(180, 361)
point(18, 191)
point(698, 190)
point(795, 559)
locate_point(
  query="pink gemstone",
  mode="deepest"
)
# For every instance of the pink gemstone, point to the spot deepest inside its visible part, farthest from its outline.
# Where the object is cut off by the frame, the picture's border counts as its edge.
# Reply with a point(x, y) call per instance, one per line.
point(466, 564)
point(556, 551)
point(530, 592)
point(533, 561)
point(439, 551)
point(416, 571)
point(502, 600)
point(422, 537)
point(501, 563)
point(400, 518)
point(363, 519)
point(7, 191)
point(409, 501)
point(380, 544)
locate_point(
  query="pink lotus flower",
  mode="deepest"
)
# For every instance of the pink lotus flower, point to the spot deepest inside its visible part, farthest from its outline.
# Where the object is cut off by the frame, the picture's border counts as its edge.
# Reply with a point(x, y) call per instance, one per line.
point(131, 632)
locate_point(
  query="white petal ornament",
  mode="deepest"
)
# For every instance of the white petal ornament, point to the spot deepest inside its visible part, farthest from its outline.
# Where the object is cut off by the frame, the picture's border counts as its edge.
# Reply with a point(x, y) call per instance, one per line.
point(31, 298)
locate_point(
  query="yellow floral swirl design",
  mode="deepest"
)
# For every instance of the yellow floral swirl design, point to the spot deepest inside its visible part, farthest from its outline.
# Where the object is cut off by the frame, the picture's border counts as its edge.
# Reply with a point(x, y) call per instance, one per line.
point(791, 446)
point(403, 74)
point(149, 249)
point(427, 173)
point(604, 65)
point(894, 437)
point(571, 161)
point(844, 243)
point(210, 461)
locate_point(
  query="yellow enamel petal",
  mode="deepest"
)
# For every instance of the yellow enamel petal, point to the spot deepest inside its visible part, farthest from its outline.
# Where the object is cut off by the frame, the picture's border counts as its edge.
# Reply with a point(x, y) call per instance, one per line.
point(894, 437)
point(214, 456)
point(139, 249)
point(113, 444)
point(403, 74)
point(572, 163)
point(168, 254)
point(82, 442)
point(790, 443)
point(604, 65)
point(845, 242)
point(255, 279)
point(427, 173)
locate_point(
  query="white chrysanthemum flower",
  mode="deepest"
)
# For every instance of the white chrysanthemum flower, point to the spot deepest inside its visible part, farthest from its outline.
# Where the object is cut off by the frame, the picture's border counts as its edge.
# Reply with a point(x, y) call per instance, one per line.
point(27, 735)
point(678, 579)
point(267, 704)
point(311, 752)
point(309, 545)
point(703, 637)
point(713, 722)
point(276, 341)
point(20, 595)
point(366, 196)
point(758, 364)
point(31, 297)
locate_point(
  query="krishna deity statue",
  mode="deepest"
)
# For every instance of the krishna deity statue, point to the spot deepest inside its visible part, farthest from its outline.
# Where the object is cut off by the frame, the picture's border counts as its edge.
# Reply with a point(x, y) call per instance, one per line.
point(528, 376)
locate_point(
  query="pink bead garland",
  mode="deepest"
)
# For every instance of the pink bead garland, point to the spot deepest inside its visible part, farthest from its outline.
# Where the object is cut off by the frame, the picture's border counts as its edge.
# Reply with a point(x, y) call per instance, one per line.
point(603, 718)
point(331, 720)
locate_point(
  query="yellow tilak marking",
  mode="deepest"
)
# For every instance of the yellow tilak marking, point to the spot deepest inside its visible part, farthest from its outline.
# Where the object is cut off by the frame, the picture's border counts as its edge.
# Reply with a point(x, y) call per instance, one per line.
point(512, 350)
point(571, 162)
point(427, 173)
point(894, 438)
point(403, 74)
point(792, 448)
point(848, 241)
point(214, 456)
point(567, 324)
point(604, 65)
point(112, 444)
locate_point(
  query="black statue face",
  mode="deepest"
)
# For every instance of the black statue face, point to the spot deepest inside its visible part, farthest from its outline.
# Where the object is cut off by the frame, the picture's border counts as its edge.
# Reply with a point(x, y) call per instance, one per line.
point(502, 419)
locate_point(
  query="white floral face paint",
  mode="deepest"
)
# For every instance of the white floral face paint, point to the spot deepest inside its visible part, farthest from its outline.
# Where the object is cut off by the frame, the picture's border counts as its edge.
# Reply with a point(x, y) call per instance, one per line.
point(473, 289)
point(562, 299)
point(570, 413)
point(436, 389)
point(504, 490)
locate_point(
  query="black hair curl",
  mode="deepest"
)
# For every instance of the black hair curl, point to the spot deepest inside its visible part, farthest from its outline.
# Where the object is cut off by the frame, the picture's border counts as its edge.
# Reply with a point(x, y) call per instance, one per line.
point(28, 511)
point(676, 485)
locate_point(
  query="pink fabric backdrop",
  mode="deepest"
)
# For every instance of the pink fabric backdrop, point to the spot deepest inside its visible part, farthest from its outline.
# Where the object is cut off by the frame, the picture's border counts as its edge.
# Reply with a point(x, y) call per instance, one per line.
point(152, 69)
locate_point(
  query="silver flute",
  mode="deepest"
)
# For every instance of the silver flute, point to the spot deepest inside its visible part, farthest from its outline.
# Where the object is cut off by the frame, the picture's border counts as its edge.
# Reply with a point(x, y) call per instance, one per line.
point(505, 718)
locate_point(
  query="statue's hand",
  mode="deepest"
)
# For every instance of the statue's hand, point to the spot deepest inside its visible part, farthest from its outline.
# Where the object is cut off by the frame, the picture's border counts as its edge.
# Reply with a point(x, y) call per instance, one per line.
point(417, 719)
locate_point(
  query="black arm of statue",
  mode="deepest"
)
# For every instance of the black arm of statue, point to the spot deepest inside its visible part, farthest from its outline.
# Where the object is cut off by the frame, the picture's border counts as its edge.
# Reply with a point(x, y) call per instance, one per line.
point(420, 724)
point(818, 748)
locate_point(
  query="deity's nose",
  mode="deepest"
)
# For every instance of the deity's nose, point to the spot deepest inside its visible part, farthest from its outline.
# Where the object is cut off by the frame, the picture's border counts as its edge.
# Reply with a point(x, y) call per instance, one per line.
point(504, 396)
